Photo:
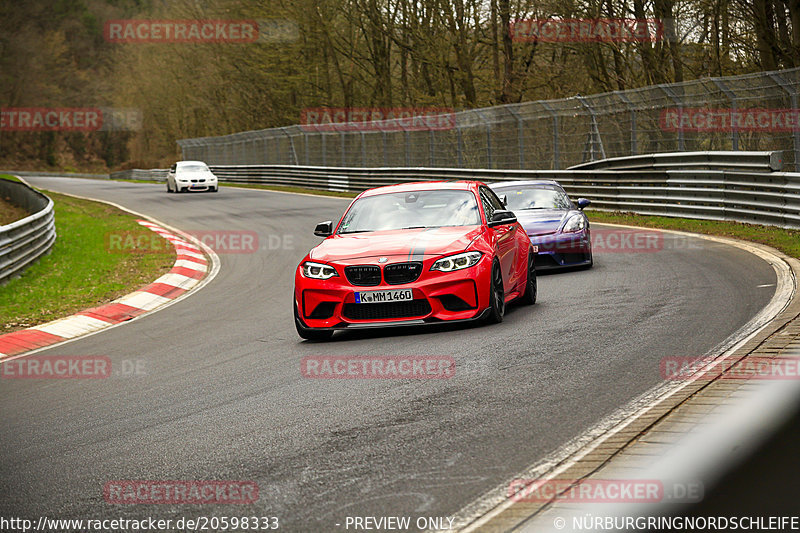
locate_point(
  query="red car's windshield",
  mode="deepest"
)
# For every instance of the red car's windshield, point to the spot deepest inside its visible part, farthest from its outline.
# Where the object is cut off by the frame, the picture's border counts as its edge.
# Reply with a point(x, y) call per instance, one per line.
point(416, 209)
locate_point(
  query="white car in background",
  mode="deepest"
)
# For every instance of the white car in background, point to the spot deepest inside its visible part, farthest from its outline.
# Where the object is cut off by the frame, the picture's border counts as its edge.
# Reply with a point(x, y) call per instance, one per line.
point(191, 176)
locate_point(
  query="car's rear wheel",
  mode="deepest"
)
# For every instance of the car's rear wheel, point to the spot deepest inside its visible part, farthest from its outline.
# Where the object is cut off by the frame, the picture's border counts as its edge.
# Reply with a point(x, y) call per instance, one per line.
point(169, 189)
point(310, 333)
point(529, 296)
point(497, 301)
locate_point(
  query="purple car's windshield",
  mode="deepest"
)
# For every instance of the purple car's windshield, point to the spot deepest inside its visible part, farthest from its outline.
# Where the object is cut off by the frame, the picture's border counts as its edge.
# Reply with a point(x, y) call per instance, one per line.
point(416, 209)
point(521, 198)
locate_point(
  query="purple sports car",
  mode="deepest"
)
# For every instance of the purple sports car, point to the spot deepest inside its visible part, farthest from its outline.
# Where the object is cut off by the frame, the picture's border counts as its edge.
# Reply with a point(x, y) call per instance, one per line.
point(557, 228)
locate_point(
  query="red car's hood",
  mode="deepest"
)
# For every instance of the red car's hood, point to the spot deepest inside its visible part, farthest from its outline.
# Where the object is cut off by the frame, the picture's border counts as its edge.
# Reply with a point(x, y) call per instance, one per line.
point(408, 243)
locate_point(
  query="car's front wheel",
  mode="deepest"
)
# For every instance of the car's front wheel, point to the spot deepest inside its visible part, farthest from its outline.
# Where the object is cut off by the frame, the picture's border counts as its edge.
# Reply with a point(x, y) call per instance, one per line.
point(497, 297)
point(310, 333)
point(529, 296)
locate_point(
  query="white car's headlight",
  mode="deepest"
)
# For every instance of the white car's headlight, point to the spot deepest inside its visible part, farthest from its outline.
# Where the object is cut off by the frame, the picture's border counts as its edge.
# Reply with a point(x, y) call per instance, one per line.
point(318, 270)
point(575, 223)
point(456, 262)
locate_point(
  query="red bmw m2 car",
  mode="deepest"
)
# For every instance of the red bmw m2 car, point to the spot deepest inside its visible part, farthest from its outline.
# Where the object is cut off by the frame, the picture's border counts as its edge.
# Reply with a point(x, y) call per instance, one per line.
point(413, 254)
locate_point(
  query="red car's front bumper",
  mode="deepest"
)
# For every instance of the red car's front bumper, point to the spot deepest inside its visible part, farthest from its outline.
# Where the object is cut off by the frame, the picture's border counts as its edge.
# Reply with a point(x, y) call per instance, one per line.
point(437, 296)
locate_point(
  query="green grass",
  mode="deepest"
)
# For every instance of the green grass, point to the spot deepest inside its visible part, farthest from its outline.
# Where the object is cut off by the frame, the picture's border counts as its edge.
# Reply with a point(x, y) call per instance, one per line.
point(785, 240)
point(81, 271)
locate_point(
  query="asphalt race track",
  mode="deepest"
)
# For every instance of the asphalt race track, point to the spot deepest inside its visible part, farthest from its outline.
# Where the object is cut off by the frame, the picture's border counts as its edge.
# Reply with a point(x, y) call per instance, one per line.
point(221, 395)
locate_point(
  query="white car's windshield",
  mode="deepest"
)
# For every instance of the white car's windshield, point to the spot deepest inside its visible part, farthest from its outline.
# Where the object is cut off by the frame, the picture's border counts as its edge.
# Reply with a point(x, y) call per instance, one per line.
point(522, 198)
point(406, 210)
point(192, 168)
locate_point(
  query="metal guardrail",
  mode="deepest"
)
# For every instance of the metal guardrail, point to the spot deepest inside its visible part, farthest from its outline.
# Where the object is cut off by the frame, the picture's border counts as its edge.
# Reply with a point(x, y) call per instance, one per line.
point(24, 241)
point(740, 194)
point(154, 174)
point(755, 161)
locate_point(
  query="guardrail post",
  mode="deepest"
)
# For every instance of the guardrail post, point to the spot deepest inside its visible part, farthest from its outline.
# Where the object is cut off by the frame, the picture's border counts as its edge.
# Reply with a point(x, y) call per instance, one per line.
point(520, 139)
point(363, 150)
point(678, 102)
point(305, 146)
point(343, 148)
point(594, 131)
point(460, 146)
point(292, 152)
point(556, 155)
point(792, 91)
point(732, 97)
point(632, 111)
point(407, 139)
point(431, 155)
point(489, 163)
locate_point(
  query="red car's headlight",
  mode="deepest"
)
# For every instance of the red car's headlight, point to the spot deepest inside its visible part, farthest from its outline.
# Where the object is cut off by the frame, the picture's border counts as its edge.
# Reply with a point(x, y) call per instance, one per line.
point(318, 270)
point(456, 262)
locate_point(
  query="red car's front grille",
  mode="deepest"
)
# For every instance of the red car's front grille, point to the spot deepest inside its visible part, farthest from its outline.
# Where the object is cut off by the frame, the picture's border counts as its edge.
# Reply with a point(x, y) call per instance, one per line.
point(387, 310)
point(399, 273)
point(363, 275)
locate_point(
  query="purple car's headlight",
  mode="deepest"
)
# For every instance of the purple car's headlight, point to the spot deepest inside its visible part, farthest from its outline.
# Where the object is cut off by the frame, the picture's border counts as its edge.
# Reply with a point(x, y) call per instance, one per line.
point(574, 224)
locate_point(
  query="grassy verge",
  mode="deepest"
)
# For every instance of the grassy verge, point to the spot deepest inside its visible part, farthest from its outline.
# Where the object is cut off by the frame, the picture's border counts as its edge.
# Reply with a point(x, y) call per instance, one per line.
point(81, 271)
point(787, 241)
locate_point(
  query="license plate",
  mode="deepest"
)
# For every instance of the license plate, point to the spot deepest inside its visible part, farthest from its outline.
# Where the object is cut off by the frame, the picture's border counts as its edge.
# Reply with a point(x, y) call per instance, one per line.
point(374, 297)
